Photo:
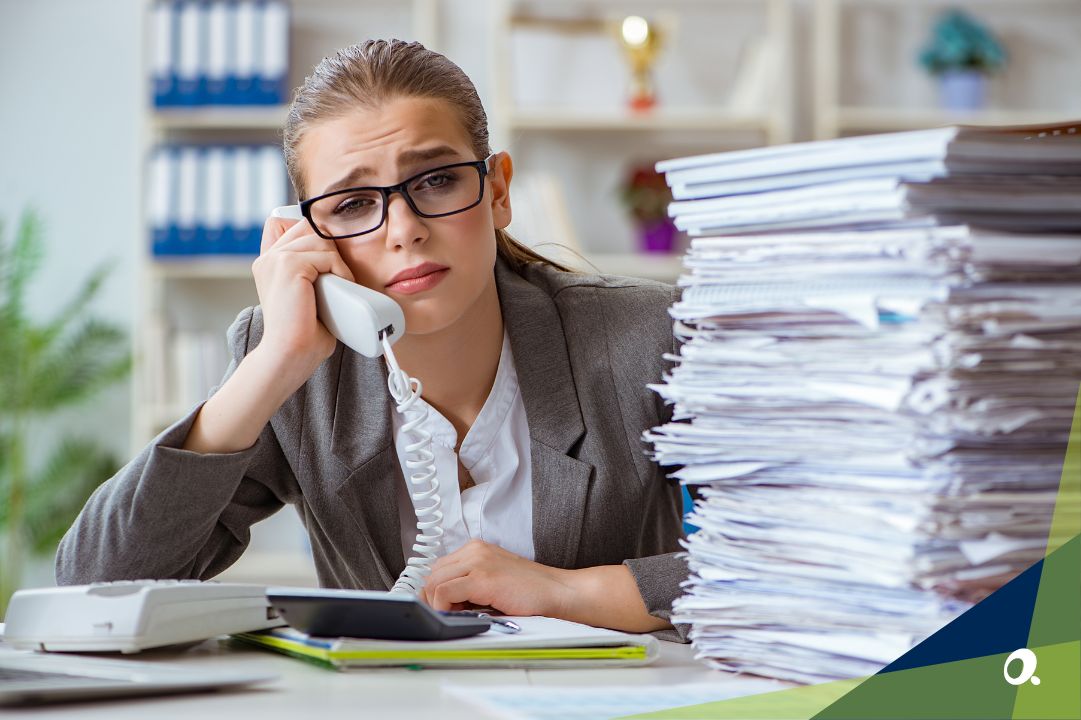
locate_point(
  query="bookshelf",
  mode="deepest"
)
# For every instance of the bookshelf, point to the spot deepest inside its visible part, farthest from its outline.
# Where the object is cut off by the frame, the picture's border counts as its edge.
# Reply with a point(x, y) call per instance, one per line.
point(218, 118)
point(882, 38)
point(719, 88)
point(202, 294)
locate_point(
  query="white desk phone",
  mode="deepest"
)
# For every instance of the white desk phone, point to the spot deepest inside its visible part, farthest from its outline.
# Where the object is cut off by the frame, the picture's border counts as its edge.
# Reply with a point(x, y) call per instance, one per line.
point(129, 616)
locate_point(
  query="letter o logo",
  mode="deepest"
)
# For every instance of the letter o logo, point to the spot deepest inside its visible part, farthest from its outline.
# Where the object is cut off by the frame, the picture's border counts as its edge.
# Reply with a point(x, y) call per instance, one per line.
point(1028, 667)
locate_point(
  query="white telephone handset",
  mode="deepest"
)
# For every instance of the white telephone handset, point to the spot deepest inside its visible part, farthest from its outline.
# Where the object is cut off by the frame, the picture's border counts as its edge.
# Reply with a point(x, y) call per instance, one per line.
point(356, 315)
point(369, 322)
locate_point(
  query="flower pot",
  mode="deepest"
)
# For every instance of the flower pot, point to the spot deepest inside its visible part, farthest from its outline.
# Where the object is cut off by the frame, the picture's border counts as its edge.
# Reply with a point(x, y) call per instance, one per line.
point(963, 90)
point(657, 236)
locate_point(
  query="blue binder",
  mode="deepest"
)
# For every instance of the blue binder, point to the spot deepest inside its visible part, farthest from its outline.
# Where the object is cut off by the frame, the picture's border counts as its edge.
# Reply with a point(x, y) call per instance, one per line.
point(220, 52)
point(161, 167)
point(163, 66)
point(212, 200)
point(189, 67)
point(273, 52)
point(172, 228)
point(186, 205)
point(245, 41)
point(218, 47)
point(212, 215)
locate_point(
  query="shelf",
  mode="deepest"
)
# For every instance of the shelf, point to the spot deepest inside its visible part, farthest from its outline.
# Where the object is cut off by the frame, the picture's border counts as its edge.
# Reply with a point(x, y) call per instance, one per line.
point(834, 57)
point(705, 119)
point(206, 268)
point(892, 119)
point(271, 117)
point(658, 266)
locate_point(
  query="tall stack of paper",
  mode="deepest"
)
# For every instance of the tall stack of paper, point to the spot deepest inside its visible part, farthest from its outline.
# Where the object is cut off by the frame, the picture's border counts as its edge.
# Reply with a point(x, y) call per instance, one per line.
point(882, 350)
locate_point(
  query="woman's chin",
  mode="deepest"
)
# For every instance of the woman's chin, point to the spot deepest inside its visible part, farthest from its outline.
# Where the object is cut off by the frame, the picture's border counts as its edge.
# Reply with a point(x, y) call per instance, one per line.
point(422, 322)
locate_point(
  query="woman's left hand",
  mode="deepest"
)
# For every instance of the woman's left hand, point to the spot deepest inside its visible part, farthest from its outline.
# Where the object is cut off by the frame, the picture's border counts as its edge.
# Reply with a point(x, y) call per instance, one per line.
point(483, 575)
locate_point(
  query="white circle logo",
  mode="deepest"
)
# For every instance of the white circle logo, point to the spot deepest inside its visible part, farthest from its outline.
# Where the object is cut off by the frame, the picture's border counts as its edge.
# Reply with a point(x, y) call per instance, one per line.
point(1028, 667)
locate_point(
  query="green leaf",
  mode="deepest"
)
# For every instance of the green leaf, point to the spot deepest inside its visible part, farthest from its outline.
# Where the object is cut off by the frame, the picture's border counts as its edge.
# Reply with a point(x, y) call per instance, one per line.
point(93, 357)
point(76, 307)
point(5, 477)
point(56, 495)
point(42, 368)
point(20, 263)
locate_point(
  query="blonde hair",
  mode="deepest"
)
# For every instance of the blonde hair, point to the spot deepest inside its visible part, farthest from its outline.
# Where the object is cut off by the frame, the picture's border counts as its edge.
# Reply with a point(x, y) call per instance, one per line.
point(376, 71)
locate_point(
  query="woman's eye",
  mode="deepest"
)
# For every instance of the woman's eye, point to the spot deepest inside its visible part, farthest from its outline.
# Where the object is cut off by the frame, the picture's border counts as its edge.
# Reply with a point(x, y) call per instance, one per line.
point(354, 204)
point(434, 181)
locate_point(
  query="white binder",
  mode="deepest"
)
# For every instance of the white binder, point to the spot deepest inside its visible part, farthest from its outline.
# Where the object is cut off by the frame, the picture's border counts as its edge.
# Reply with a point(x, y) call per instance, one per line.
point(189, 55)
point(187, 202)
point(246, 28)
point(213, 215)
point(273, 62)
point(240, 212)
point(159, 206)
point(217, 53)
point(163, 63)
point(273, 185)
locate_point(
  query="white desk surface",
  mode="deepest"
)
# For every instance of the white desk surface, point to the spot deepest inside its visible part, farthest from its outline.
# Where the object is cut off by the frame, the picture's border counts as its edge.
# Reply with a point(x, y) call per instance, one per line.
point(307, 691)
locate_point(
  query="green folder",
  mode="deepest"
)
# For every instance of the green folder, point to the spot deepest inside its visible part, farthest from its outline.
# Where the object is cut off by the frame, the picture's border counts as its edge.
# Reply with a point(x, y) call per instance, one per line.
point(543, 642)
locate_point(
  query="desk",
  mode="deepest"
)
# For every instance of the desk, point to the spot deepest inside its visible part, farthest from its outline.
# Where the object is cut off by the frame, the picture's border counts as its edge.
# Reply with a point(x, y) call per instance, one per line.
point(307, 691)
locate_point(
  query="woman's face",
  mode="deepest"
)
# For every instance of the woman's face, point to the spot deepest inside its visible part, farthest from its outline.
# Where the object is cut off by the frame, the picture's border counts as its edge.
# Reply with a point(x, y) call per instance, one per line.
point(384, 146)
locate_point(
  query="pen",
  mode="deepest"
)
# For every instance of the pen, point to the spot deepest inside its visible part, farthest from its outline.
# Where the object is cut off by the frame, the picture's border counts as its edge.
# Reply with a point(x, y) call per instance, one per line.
point(502, 624)
point(497, 623)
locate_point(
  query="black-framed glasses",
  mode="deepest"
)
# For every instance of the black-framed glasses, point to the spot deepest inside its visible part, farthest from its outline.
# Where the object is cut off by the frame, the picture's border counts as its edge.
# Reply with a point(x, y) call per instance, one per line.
point(438, 192)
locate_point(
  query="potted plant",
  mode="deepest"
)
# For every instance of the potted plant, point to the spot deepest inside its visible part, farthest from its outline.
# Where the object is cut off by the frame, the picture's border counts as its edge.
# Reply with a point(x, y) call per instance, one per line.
point(963, 54)
point(646, 195)
point(46, 366)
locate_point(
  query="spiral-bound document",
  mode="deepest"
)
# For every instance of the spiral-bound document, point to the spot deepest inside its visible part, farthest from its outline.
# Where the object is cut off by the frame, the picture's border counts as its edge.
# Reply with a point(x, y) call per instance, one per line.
point(542, 642)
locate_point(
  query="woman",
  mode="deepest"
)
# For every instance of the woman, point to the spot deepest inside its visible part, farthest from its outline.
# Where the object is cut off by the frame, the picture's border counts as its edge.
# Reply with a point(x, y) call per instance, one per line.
point(535, 379)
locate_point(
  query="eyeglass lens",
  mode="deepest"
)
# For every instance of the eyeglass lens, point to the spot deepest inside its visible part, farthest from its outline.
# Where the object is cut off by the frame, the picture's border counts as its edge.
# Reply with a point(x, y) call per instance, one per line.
point(439, 192)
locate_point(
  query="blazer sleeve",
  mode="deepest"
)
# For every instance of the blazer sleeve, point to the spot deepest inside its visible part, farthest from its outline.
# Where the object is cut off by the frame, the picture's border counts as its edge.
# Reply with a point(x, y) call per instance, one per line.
point(173, 513)
point(660, 577)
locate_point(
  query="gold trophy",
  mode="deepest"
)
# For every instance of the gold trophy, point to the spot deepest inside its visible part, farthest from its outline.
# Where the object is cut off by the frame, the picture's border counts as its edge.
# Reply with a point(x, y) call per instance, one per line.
point(641, 42)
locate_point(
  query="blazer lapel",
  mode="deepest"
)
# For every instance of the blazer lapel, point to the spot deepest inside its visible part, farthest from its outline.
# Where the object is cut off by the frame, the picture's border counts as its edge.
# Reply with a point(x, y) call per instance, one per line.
point(362, 440)
point(362, 435)
point(560, 481)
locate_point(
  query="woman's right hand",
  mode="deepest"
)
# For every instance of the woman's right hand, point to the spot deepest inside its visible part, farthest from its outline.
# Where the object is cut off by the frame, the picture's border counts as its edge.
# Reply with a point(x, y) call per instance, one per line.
point(291, 257)
point(293, 345)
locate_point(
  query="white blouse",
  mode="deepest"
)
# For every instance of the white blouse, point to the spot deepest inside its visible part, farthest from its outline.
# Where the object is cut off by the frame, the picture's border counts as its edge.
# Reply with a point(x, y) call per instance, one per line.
point(498, 509)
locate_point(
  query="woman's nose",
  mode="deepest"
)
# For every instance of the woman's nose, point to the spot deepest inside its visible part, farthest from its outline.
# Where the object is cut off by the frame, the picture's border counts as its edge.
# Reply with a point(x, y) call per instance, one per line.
point(404, 227)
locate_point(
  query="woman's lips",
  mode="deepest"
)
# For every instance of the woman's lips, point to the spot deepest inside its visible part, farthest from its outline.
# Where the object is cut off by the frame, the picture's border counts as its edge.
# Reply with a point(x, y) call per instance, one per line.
point(419, 284)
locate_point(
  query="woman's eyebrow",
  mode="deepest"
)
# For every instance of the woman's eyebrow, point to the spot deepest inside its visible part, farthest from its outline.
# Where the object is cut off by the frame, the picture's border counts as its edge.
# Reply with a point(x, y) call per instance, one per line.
point(405, 158)
point(411, 157)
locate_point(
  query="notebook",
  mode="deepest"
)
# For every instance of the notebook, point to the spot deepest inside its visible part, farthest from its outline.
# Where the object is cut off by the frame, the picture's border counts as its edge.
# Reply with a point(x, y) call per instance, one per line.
point(542, 642)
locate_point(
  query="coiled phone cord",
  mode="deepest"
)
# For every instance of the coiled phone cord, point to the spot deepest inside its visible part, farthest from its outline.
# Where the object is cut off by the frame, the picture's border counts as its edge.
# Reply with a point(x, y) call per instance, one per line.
point(423, 482)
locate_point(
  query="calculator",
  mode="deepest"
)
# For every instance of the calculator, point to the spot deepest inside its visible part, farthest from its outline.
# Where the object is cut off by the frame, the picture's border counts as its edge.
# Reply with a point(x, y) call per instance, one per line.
point(370, 614)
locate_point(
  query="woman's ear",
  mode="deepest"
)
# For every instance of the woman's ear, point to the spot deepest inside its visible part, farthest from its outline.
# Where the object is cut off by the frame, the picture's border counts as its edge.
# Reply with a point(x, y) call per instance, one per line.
point(500, 175)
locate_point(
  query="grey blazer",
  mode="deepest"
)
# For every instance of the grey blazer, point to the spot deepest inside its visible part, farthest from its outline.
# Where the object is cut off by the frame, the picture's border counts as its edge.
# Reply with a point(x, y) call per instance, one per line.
point(584, 349)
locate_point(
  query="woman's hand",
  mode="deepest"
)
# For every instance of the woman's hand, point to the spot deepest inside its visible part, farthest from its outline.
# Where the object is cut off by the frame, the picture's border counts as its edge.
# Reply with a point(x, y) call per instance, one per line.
point(291, 257)
point(482, 575)
point(293, 345)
